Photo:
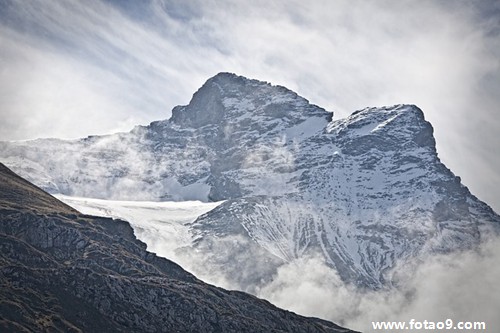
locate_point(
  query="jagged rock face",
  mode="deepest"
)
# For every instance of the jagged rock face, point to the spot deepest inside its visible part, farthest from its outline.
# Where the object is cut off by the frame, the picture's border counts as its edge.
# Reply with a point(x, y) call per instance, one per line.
point(64, 271)
point(362, 192)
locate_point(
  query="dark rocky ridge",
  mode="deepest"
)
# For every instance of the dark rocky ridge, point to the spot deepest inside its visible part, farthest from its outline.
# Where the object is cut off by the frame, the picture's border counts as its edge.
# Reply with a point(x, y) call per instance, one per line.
point(62, 271)
point(18, 193)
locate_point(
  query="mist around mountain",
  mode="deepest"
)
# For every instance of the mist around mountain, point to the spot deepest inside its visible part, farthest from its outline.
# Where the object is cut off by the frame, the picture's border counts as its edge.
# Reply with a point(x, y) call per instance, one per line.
point(68, 272)
point(321, 215)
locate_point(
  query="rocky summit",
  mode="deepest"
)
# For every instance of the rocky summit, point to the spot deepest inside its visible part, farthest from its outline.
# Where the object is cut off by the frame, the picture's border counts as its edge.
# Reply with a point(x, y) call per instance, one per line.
point(62, 271)
point(364, 193)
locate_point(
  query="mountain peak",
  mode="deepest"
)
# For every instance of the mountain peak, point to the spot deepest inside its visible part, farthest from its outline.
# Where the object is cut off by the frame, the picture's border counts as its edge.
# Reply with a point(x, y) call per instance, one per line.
point(227, 96)
point(395, 125)
point(227, 77)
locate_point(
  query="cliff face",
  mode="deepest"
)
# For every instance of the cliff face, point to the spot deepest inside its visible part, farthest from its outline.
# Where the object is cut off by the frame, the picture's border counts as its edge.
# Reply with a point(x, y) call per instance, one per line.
point(62, 271)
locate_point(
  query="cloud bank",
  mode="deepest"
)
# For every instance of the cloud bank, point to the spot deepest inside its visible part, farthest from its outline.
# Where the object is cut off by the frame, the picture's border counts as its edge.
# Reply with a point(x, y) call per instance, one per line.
point(461, 286)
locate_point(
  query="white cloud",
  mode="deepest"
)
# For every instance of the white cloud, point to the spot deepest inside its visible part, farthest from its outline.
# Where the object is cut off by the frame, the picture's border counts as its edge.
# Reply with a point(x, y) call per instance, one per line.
point(103, 68)
point(461, 286)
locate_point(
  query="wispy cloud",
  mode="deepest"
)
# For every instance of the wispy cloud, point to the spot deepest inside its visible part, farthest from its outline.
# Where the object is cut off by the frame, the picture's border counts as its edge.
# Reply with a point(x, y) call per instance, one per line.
point(73, 68)
point(460, 286)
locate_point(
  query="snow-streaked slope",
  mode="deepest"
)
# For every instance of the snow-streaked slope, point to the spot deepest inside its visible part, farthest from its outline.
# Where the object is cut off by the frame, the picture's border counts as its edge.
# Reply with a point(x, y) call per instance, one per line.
point(364, 192)
point(163, 226)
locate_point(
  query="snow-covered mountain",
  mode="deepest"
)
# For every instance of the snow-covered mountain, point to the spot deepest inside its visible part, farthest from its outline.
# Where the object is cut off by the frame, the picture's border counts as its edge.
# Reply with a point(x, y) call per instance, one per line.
point(363, 192)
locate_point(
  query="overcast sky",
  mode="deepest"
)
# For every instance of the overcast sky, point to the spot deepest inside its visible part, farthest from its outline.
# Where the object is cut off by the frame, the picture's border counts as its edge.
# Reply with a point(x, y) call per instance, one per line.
point(70, 69)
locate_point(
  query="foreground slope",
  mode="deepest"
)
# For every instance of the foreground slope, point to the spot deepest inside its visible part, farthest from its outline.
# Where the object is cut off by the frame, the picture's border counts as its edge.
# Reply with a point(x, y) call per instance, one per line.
point(363, 193)
point(64, 271)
